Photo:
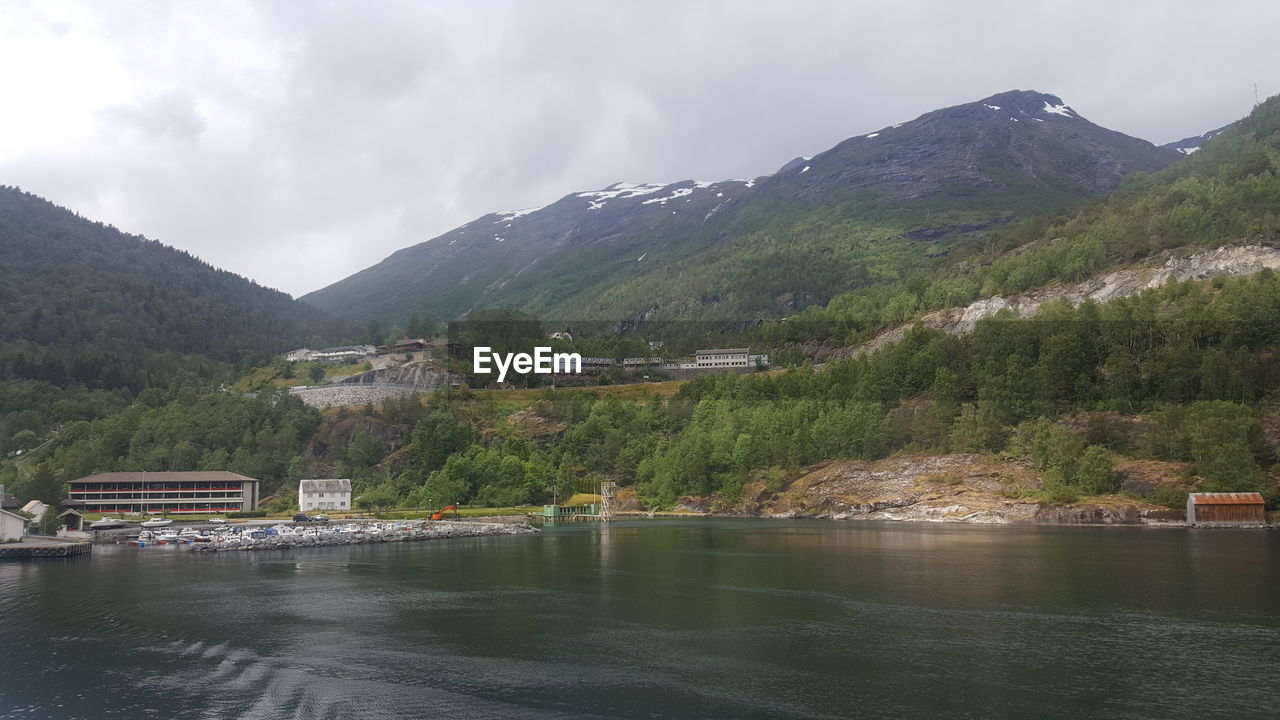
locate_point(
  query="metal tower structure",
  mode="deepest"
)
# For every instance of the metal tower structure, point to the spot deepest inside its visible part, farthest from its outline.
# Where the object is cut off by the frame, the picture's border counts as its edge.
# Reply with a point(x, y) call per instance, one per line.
point(607, 491)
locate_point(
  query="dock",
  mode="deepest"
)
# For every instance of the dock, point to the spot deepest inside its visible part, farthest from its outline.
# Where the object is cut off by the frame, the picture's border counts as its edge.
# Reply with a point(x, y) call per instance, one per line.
point(33, 547)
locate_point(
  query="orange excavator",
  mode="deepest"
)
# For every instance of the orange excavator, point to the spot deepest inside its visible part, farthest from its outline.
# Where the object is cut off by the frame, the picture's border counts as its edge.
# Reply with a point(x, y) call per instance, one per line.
point(440, 515)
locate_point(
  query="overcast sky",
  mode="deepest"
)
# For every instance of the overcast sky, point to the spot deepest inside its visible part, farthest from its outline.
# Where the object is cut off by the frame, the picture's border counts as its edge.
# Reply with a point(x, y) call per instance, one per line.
point(298, 142)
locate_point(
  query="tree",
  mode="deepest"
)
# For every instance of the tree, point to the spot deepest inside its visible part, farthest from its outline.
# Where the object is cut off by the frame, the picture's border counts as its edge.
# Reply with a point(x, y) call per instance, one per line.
point(49, 521)
point(316, 372)
point(1096, 472)
point(363, 450)
point(978, 429)
point(378, 499)
point(435, 438)
point(46, 487)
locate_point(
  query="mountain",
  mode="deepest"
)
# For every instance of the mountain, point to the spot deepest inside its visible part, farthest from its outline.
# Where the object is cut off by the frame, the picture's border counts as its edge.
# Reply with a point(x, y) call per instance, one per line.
point(1189, 145)
point(874, 206)
point(83, 303)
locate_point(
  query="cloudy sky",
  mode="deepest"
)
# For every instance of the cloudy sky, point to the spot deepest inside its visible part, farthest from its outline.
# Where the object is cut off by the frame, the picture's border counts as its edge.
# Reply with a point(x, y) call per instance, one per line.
point(297, 142)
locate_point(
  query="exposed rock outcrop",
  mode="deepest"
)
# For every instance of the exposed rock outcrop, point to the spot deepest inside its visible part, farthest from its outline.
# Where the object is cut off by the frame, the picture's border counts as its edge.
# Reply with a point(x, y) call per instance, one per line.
point(1179, 267)
point(958, 487)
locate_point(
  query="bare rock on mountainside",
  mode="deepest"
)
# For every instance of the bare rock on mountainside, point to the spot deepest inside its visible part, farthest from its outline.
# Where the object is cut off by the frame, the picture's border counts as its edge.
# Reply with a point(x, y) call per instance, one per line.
point(1173, 266)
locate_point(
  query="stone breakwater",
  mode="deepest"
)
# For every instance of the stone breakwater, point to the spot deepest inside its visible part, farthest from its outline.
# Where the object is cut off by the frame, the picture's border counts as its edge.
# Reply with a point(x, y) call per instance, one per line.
point(301, 536)
point(347, 395)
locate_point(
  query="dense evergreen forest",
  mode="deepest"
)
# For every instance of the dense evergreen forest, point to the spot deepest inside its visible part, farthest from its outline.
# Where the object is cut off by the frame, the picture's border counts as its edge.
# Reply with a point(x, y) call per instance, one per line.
point(90, 316)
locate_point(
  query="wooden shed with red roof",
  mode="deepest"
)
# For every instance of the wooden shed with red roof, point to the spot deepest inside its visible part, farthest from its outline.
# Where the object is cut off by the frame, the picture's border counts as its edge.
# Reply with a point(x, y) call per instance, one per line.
point(1237, 508)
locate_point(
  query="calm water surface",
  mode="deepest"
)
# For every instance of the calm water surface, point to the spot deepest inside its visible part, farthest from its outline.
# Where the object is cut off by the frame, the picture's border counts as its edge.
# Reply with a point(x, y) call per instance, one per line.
point(660, 619)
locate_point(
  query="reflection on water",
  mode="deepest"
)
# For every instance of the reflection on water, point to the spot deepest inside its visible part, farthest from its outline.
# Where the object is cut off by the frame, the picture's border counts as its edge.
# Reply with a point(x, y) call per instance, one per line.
point(660, 619)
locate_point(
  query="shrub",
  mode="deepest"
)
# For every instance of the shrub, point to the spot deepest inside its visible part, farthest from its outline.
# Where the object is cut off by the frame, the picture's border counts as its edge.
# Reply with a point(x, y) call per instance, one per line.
point(248, 514)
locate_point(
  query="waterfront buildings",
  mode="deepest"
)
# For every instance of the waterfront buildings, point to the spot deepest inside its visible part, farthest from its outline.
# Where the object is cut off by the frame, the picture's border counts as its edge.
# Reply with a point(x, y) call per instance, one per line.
point(206, 491)
point(324, 494)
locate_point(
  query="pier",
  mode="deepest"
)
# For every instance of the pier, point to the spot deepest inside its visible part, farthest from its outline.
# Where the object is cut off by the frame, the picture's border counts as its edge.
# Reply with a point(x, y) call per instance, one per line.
point(35, 547)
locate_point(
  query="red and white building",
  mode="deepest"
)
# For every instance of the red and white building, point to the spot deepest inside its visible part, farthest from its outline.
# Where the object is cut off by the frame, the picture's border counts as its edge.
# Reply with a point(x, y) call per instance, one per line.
point(205, 491)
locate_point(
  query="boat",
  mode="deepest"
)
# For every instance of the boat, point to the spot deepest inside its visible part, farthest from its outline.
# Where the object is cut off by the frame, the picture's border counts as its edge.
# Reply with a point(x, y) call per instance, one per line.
point(107, 523)
point(168, 536)
point(157, 523)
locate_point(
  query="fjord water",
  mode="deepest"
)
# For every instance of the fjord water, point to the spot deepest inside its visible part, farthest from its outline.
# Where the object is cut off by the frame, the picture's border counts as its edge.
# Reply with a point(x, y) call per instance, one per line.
point(665, 619)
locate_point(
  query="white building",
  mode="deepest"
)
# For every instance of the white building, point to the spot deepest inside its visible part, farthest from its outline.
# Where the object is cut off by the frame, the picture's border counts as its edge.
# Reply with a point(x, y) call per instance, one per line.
point(12, 526)
point(300, 355)
point(324, 495)
point(36, 508)
point(338, 354)
point(729, 357)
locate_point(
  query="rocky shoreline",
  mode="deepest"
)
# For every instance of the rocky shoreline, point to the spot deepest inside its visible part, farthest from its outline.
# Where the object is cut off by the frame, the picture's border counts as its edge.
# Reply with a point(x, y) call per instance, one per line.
point(958, 487)
point(298, 536)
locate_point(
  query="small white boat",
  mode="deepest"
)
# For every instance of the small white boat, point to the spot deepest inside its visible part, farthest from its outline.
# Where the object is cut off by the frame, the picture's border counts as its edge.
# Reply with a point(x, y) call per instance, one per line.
point(168, 536)
point(107, 523)
point(157, 523)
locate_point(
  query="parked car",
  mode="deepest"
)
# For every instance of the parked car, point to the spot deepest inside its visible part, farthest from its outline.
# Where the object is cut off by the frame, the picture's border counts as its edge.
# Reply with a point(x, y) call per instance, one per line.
point(217, 521)
point(302, 517)
point(321, 517)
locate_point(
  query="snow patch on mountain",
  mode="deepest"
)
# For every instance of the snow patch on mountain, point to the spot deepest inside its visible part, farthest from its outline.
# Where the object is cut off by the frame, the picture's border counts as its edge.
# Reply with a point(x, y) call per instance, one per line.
point(677, 193)
point(507, 217)
point(1062, 110)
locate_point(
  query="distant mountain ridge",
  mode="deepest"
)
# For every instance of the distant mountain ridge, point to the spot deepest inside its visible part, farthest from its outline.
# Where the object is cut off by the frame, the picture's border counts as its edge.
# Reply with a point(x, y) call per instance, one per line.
point(649, 249)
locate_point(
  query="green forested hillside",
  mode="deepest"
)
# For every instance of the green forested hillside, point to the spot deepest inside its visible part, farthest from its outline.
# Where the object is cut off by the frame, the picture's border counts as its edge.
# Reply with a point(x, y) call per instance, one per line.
point(90, 316)
point(78, 297)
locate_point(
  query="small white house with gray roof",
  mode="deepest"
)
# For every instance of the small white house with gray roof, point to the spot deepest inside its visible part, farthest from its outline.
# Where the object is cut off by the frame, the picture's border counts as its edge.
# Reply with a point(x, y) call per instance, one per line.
point(327, 494)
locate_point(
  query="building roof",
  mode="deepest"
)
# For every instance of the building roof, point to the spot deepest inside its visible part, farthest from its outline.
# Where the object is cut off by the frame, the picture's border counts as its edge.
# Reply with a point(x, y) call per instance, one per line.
point(32, 504)
point(325, 485)
point(1236, 498)
point(9, 501)
point(724, 351)
point(195, 476)
point(23, 518)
